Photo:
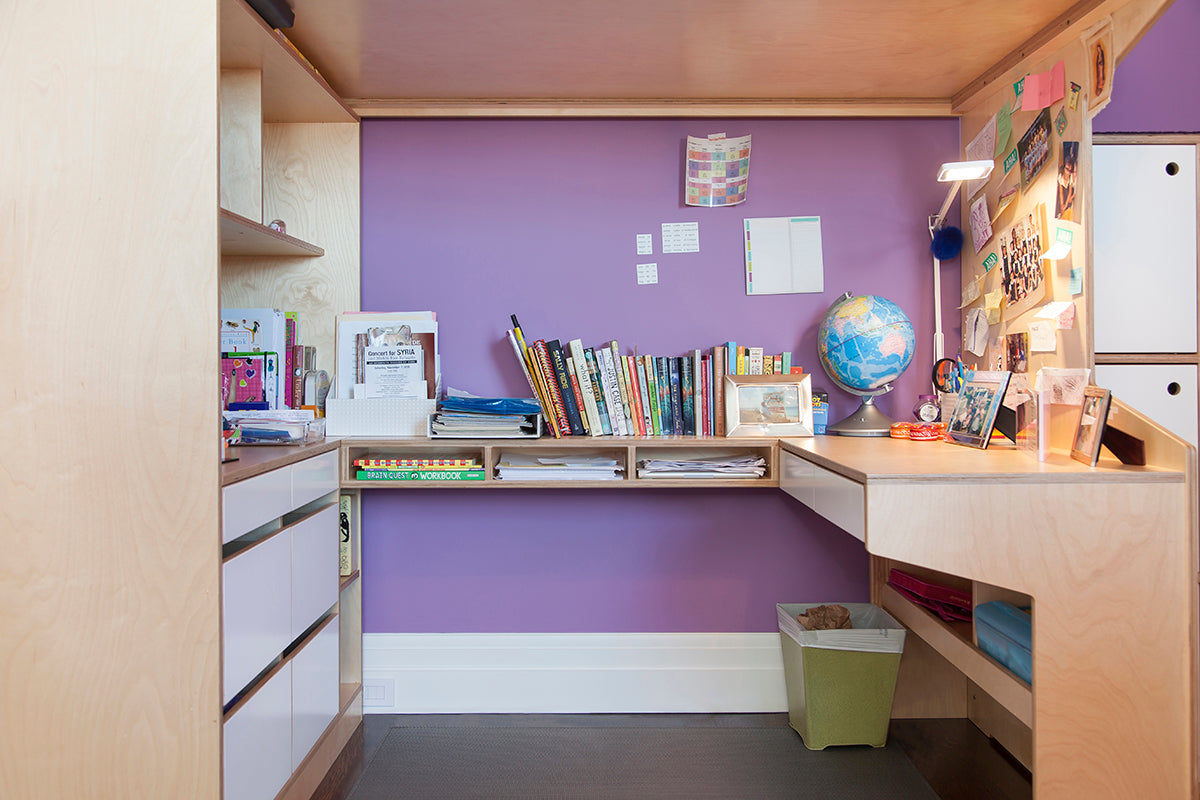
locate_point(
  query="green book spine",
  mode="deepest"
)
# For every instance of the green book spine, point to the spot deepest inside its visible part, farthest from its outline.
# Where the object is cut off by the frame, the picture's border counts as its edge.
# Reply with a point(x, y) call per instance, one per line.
point(419, 475)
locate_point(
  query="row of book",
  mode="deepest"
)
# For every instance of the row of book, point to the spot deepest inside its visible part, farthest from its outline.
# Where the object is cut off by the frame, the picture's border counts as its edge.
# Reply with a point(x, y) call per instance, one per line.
point(418, 469)
point(263, 367)
point(598, 391)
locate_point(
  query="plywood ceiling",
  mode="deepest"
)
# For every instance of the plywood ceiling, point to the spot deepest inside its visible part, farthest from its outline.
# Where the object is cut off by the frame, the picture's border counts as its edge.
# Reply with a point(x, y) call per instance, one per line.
point(390, 54)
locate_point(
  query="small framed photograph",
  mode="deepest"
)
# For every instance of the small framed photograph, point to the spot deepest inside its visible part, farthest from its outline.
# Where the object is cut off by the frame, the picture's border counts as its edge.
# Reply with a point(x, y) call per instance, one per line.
point(975, 411)
point(1093, 415)
point(768, 405)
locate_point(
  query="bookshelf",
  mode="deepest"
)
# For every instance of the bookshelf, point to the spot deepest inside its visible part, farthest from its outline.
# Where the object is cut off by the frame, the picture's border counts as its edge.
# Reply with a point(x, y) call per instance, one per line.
point(627, 450)
point(289, 150)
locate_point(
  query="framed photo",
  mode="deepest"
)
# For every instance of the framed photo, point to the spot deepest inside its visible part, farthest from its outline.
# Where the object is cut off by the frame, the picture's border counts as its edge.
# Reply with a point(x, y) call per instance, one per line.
point(1093, 415)
point(975, 411)
point(768, 405)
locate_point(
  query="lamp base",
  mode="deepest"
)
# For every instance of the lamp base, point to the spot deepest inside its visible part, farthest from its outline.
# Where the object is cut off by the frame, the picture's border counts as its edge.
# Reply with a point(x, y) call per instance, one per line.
point(868, 420)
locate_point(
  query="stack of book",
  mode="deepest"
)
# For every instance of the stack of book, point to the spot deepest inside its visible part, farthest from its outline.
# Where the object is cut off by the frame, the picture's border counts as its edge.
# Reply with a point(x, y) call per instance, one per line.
point(599, 391)
point(486, 418)
point(418, 469)
point(263, 367)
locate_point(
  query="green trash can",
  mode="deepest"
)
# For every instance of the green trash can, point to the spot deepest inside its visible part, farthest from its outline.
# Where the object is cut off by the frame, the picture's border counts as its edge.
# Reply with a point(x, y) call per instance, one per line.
point(840, 682)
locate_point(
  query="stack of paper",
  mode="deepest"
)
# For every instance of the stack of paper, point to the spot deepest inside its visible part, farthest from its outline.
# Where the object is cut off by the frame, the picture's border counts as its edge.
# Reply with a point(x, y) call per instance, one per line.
point(463, 424)
point(744, 465)
point(527, 467)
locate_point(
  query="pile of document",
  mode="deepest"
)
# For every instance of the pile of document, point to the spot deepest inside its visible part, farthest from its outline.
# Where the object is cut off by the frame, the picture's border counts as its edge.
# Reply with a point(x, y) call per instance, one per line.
point(529, 467)
point(717, 466)
point(486, 418)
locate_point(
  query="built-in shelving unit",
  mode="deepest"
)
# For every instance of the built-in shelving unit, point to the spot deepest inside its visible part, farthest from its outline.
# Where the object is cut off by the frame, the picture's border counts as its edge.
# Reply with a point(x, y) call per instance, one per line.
point(290, 151)
point(628, 452)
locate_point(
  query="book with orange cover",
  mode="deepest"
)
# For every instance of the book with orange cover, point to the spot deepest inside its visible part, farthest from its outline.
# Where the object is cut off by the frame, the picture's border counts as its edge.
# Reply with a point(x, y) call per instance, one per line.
point(558, 413)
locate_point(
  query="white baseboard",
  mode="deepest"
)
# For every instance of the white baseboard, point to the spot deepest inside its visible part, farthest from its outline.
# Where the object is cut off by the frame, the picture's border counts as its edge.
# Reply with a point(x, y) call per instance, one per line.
point(416, 673)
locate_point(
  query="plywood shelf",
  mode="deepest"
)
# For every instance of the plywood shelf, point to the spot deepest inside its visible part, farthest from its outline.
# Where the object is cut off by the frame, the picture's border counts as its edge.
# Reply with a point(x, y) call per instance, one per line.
point(627, 450)
point(954, 642)
point(245, 237)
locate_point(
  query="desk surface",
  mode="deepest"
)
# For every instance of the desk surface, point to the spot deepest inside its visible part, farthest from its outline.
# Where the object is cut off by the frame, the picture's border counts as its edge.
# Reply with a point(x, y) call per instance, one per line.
point(1107, 557)
point(868, 460)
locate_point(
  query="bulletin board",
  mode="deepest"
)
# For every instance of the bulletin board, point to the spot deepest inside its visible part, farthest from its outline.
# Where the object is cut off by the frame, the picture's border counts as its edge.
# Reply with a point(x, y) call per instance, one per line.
point(1026, 251)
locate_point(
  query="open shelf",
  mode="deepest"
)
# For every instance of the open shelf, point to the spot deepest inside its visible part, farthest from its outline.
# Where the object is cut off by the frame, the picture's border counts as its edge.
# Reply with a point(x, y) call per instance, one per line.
point(627, 450)
point(245, 237)
point(292, 91)
point(954, 642)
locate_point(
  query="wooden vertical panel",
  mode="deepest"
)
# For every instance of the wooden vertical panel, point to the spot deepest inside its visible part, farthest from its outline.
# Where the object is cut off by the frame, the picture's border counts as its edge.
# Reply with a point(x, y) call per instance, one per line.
point(241, 143)
point(109, 492)
point(311, 182)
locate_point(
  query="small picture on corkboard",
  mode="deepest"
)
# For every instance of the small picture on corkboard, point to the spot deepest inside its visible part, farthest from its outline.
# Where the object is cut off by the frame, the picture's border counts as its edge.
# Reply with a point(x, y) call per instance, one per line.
point(1034, 148)
point(1023, 278)
point(1101, 59)
point(1064, 205)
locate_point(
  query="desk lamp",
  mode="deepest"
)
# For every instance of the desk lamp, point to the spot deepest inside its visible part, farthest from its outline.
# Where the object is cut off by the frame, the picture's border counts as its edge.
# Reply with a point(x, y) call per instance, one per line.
point(948, 239)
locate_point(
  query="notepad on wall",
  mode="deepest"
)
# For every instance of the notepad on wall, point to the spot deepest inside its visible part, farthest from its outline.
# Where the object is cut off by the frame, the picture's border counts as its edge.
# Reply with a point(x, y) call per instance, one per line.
point(783, 255)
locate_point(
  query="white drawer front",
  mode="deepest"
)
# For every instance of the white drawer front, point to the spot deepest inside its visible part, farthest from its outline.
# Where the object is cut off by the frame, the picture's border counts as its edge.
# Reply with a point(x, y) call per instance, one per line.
point(314, 477)
point(256, 610)
point(255, 501)
point(797, 477)
point(315, 690)
point(258, 741)
point(314, 568)
point(836, 498)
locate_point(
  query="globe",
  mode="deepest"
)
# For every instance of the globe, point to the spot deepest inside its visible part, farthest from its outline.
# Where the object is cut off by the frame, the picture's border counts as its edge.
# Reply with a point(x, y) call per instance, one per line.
point(864, 344)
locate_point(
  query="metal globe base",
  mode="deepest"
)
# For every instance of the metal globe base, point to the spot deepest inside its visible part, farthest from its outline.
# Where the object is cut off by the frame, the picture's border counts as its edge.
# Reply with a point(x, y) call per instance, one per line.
point(867, 420)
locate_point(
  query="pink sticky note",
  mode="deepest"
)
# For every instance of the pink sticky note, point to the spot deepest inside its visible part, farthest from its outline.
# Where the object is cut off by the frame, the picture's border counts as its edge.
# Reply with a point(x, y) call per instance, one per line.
point(1044, 88)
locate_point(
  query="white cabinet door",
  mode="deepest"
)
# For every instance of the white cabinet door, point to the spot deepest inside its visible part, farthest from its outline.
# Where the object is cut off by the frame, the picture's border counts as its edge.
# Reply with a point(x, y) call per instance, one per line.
point(314, 567)
point(1166, 393)
point(256, 609)
point(315, 690)
point(258, 741)
point(1144, 248)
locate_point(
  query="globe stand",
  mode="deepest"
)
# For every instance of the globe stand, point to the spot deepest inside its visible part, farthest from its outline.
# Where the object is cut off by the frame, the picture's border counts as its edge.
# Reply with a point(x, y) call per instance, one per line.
point(868, 420)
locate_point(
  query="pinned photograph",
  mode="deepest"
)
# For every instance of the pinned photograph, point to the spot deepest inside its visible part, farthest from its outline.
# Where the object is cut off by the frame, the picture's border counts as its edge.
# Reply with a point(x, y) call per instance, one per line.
point(1034, 148)
point(1023, 279)
point(1067, 168)
point(1098, 44)
point(1017, 357)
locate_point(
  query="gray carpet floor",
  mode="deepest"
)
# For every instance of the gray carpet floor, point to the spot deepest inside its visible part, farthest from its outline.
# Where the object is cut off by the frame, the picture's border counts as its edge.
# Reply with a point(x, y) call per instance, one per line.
point(618, 763)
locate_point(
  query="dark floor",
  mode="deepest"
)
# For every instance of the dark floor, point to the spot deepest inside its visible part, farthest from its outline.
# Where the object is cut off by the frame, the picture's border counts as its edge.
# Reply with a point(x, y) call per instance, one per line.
point(955, 758)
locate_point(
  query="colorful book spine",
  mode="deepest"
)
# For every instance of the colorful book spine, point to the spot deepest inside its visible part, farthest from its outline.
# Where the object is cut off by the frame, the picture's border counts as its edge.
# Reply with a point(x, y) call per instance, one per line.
point(687, 396)
point(720, 365)
point(754, 361)
point(573, 376)
point(289, 360)
point(598, 391)
point(635, 391)
point(697, 393)
point(515, 343)
point(740, 369)
point(345, 542)
point(558, 412)
point(570, 404)
point(731, 353)
point(585, 386)
point(612, 392)
point(650, 393)
point(416, 462)
point(418, 474)
point(705, 396)
point(623, 387)
point(676, 395)
point(786, 362)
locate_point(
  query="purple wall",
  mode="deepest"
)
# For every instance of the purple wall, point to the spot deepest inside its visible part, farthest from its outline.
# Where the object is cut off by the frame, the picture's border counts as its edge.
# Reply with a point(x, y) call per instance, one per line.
point(1155, 89)
point(480, 219)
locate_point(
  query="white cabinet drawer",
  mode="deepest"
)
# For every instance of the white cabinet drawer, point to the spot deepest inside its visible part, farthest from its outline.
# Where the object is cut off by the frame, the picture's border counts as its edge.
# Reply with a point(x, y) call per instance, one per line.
point(258, 741)
point(1166, 393)
point(255, 501)
point(314, 567)
point(256, 611)
point(315, 690)
point(314, 477)
point(835, 497)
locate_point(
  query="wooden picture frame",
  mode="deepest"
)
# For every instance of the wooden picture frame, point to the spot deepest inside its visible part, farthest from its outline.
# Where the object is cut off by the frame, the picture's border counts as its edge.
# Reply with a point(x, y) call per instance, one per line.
point(768, 405)
point(974, 413)
point(1089, 431)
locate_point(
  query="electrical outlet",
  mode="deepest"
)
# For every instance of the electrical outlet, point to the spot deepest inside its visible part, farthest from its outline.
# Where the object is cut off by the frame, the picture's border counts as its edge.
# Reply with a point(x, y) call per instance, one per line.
point(379, 692)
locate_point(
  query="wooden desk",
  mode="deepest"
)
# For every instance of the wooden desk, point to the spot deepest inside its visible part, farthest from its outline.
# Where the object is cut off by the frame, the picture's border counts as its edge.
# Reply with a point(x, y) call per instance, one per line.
point(1106, 556)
